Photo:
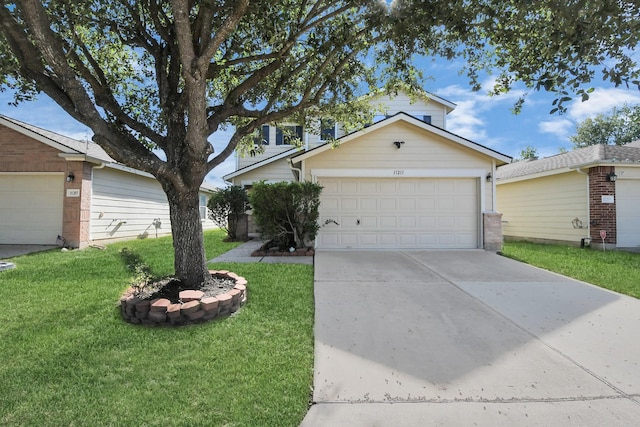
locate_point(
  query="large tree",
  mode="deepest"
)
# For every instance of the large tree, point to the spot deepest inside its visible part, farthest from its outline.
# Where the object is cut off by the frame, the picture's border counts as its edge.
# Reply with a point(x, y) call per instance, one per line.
point(620, 127)
point(154, 79)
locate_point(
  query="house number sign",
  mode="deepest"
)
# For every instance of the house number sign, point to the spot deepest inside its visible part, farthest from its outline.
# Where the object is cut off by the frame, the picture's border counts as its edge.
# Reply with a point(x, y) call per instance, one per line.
point(398, 172)
point(73, 192)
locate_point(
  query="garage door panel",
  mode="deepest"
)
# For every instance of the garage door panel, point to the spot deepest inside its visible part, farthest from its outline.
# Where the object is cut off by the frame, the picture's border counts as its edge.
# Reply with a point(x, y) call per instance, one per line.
point(407, 205)
point(348, 187)
point(388, 221)
point(401, 213)
point(388, 204)
point(369, 204)
point(407, 222)
point(31, 208)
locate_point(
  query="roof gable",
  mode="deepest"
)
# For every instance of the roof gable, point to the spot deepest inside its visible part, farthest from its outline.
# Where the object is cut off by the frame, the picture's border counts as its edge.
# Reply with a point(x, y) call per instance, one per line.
point(422, 95)
point(403, 117)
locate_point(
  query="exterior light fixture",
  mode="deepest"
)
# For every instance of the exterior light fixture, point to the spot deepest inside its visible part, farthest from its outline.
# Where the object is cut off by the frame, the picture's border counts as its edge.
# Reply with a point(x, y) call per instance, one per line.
point(612, 177)
point(489, 177)
point(398, 143)
point(71, 177)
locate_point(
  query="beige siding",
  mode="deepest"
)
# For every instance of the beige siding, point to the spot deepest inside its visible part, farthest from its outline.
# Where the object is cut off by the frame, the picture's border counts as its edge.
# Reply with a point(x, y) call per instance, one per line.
point(419, 108)
point(278, 170)
point(544, 208)
point(628, 172)
point(421, 150)
point(125, 205)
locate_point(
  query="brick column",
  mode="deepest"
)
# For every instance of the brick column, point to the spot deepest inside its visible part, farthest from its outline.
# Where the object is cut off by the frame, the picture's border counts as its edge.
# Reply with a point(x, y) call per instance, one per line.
point(603, 215)
point(492, 231)
point(76, 210)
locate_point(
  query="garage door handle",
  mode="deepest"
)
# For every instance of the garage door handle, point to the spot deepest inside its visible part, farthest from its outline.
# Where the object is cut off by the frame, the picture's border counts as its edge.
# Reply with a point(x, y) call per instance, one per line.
point(358, 222)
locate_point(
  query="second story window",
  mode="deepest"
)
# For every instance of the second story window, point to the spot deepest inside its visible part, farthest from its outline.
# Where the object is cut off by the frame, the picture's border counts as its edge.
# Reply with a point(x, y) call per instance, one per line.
point(426, 119)
point(327, 129)
point(285, 135)
point(263, 136)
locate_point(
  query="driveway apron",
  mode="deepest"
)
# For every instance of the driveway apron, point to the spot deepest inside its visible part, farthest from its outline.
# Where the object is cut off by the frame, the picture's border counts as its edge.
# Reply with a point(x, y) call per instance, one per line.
point(468, 338)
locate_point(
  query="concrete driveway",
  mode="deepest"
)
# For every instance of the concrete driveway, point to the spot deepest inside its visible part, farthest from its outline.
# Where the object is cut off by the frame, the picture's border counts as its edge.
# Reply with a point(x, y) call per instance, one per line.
point(428, 338)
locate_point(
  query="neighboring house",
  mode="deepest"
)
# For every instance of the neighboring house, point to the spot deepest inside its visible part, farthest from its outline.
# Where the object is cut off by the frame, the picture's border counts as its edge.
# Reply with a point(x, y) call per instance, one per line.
point(574, 196)
point(402, 182)
point(52, 186)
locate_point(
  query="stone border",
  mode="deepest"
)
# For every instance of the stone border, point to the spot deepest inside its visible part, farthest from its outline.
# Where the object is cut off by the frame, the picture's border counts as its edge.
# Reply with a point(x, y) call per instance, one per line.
point(194, 307)
point(297, 252)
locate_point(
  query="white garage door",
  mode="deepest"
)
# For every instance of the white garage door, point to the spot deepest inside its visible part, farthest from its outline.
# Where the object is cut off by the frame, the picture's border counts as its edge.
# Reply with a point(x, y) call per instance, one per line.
point(30, 208)
point(372, 213)
point(628, 213)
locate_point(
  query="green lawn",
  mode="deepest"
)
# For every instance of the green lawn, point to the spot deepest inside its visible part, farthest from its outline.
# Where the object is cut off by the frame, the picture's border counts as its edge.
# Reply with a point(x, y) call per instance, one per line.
point(66, 357)
point(615, 270)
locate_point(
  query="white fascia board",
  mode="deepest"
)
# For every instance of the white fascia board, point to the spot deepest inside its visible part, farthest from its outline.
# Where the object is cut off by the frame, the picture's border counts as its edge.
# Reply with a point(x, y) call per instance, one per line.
point(79, 157)
point(399, 173)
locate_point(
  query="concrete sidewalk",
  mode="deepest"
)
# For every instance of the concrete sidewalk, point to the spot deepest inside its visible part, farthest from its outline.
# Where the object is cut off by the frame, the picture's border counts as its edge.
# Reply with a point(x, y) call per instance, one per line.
point(468, 338)
point(243, 253)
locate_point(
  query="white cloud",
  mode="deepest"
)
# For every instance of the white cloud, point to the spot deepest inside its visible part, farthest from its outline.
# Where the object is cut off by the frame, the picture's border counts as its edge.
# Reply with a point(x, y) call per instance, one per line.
point(601, 101)
point(561, 128)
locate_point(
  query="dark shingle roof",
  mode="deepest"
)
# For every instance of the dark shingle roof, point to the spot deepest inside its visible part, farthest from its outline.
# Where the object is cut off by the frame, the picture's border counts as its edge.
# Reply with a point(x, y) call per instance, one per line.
point(623, 154)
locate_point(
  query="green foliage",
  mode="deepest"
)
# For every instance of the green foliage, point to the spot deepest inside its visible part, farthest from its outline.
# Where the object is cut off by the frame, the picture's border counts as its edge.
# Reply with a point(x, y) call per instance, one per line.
point(614, 270)
point(287, 212)
point(78, 357)
point(621, 127)
point(142, 275)
point(227, 206)
point(529, 153)
point(550, 45)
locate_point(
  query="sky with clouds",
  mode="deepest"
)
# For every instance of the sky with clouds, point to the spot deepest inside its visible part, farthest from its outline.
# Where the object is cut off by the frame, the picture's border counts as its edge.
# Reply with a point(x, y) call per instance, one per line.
point(484, 119)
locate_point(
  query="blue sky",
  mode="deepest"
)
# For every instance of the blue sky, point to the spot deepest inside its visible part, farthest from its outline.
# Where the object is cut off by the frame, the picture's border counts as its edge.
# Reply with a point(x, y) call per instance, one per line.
point(484, 119)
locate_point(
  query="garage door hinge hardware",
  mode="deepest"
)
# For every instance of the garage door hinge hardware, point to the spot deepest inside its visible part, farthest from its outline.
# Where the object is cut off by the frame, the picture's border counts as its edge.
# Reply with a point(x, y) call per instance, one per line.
point(358, 222)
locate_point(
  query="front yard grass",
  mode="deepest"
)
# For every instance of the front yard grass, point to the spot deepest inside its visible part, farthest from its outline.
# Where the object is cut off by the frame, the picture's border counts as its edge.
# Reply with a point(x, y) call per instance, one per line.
point(615, 270)
point(68, 359)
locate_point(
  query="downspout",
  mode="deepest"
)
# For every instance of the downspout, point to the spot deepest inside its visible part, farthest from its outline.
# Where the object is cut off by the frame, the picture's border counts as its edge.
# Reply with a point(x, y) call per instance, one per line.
point(294, 170)
point(579, 170)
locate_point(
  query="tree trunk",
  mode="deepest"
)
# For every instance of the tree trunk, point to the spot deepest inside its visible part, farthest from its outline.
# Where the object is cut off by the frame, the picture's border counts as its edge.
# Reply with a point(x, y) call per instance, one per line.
point(188, 242)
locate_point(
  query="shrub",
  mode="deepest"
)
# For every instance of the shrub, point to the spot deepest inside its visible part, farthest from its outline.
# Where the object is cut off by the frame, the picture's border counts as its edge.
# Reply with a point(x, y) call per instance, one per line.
point(287, 212)
point(227, 207)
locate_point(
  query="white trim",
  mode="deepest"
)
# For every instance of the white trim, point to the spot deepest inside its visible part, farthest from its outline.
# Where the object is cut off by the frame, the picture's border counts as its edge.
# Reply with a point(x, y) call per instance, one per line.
point(494, 204)
point(399, 173)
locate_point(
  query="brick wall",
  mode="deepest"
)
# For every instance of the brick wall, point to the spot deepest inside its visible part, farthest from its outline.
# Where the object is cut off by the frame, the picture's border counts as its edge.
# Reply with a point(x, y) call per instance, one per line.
point(492, 231)
point(603, 215)
point(23, 154)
